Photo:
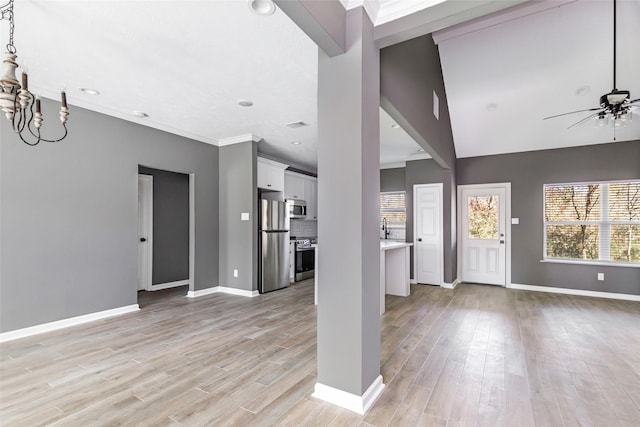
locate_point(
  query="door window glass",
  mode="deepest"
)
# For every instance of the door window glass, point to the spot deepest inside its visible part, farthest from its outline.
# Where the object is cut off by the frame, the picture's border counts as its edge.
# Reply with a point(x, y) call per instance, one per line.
point(483, 217)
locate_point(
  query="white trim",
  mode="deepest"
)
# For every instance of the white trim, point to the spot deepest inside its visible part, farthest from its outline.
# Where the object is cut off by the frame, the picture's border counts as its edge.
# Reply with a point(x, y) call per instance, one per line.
point(168, 285)
point(496, 18)
point(393, 165)
point(580, 292)
point(413, 282)
point(275, 163)
point(450, 285)
point(65, 323)
point(192, 230)
point(223, 290)
point(440, 188)
point(147, 200)
point(353, 402)
point(507, 226)
point(420, 156)
point(238, 139)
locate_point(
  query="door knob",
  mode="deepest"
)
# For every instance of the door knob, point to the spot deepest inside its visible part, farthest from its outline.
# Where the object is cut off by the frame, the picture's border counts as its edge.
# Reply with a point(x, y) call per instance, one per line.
point(419, 239)
point(142, 239)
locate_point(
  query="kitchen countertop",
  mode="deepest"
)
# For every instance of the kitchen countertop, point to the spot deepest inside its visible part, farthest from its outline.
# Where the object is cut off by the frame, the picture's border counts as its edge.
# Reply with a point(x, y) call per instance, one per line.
point(386, 245)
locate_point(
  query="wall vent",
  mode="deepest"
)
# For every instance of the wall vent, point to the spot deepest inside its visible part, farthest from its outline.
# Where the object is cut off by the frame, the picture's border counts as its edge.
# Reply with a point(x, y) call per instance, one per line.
point(296, 124)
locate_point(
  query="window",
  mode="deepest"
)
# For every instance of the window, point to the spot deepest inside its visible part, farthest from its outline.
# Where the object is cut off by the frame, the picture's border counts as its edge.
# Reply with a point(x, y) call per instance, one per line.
point(593, 222)
point(393, 210)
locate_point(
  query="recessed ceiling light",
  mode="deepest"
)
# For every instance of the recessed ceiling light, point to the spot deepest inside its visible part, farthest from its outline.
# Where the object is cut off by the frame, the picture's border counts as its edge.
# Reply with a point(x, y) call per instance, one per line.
point(421, 150)
point(395, 126)
point(139, 114)
point(89, 91)
point(583, 90)
point(245, 102)
point(262, 7)
point(492, 106)
point(296, 143)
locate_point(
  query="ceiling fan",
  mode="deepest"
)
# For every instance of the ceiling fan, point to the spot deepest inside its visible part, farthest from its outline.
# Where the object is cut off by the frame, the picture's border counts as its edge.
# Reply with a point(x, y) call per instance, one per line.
point(615, 106)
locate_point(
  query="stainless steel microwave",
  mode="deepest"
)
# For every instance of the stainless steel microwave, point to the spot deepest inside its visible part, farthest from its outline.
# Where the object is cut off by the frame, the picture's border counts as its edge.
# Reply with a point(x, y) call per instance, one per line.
point(297, 208)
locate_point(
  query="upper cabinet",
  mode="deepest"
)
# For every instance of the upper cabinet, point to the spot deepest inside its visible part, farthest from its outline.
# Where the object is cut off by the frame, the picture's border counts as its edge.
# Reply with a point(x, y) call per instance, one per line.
point(294, 186)
point(271, 174)
point(302, 187)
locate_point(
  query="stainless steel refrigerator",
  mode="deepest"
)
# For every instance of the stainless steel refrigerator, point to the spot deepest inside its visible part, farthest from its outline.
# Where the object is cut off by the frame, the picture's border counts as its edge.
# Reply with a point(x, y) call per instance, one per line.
point(274, 245)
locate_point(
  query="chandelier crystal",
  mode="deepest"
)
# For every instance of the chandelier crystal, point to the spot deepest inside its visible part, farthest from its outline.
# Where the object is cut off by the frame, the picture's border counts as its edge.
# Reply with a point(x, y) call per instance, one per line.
point(16, 101)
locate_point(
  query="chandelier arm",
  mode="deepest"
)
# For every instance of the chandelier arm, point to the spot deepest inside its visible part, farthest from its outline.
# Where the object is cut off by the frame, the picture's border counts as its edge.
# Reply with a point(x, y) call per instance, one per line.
point(66, 131)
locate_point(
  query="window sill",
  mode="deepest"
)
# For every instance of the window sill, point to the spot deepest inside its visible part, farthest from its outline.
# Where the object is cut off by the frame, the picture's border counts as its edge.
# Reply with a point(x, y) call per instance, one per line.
point(601, 263)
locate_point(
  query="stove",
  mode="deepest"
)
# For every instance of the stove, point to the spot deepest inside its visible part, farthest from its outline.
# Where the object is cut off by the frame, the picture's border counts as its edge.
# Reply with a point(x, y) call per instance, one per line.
point(305, 258)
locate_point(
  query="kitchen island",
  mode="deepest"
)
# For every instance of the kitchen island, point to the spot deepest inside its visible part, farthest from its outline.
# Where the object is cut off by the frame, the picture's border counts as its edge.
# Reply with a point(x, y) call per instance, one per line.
point(394, 270)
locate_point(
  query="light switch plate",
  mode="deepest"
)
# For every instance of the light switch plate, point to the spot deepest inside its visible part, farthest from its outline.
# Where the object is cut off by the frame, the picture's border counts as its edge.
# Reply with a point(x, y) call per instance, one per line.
point(244, 216)
point(515, 220)
point(600, 276)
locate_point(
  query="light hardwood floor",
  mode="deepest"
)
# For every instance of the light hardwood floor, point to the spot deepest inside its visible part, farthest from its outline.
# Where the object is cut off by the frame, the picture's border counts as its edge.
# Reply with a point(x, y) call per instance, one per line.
point(473, 356)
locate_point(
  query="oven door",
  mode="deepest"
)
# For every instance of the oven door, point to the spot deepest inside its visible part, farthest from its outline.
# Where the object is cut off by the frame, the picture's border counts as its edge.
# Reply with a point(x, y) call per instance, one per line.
point(305, 263)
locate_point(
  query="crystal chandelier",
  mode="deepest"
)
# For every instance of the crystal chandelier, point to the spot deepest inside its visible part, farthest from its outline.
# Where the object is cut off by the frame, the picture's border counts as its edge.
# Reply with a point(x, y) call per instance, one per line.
point(16, 101)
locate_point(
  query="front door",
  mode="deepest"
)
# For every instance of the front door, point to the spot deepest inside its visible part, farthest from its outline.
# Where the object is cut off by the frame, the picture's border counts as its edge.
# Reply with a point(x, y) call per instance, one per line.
point(427, 241)
point(483, 234)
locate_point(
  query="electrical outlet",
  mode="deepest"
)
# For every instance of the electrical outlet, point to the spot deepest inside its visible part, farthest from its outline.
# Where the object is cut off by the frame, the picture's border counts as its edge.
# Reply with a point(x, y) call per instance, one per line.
point(235, 273)
point(600, 276)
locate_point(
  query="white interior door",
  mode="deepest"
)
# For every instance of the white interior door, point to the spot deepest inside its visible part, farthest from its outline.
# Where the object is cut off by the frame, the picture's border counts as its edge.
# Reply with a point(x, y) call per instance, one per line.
point(427, 241)
point(145, 231)
point(483, 234)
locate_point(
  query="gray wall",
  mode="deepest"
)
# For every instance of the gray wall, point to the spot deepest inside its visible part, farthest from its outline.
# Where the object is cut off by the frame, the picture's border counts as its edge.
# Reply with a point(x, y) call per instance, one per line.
point(527, 173)
point(69, 218)
point(170, 225)
point(392, 180)
point(238, 194)
point(409, 73)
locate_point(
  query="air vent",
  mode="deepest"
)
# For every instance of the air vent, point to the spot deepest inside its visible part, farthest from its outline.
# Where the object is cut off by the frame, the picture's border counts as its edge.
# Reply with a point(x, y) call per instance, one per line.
point(296, 124)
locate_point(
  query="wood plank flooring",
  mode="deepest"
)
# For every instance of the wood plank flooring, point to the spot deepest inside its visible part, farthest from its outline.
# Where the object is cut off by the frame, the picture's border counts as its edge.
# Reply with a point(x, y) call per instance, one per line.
point(473, 356)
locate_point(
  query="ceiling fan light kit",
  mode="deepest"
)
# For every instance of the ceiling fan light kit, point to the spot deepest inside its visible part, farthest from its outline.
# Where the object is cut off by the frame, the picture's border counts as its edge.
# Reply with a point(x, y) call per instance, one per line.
point(16, 101)
point(616, 106)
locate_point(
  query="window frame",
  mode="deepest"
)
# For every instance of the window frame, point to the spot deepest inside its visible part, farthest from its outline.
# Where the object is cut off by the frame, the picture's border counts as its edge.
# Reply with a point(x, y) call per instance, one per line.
point(603, 224)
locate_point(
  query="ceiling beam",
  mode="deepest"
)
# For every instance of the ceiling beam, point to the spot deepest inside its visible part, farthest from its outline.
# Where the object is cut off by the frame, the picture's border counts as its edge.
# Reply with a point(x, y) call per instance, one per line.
point(436, 17)
point(323, 21)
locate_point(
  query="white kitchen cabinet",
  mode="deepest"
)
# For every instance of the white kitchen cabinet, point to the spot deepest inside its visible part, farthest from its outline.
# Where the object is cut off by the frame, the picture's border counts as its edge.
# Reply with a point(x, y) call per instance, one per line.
point(294, 186)
point(271, 174)
point(311, 197)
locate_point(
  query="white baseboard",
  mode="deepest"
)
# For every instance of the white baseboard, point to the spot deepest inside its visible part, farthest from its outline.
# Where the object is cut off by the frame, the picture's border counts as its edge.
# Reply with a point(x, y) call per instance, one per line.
point(65, 323)
point(450, 285)
point(352, 402)
point(169, 285)
point(224, 290)
point(413, 282)
point(581, 292)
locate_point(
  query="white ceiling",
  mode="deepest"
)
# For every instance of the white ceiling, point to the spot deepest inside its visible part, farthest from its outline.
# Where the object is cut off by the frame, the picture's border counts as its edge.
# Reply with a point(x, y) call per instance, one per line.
point(186, 63)
point(531, 67)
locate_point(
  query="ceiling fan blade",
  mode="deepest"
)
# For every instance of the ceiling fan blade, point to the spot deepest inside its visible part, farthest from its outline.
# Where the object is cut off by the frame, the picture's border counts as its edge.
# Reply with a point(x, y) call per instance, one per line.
point(634, 101)
point(573, 112)
point(590, 116)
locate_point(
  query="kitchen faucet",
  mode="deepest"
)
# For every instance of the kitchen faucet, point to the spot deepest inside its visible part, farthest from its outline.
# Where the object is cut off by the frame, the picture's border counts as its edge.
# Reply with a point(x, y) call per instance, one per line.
point(385, 228)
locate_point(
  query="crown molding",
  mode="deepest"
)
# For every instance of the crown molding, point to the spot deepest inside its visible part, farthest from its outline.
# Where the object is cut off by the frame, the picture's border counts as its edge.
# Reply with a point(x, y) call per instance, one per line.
point(238, 139)
point(393, 165)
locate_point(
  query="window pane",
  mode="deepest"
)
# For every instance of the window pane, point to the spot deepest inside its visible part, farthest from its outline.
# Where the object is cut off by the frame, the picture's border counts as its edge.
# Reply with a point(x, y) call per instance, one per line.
point(483, 217)
point(572, 202)
point(625, 243)
point(572, 241)
point(392, 208)
point(624, 201)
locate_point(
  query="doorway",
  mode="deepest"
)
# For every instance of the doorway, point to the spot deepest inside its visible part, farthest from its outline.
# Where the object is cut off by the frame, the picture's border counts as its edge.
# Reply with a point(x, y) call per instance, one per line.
point(428, 244)
point(485, 248)
point(165, 230)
